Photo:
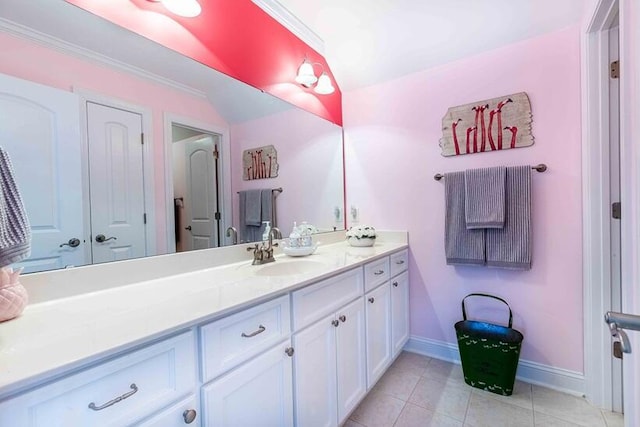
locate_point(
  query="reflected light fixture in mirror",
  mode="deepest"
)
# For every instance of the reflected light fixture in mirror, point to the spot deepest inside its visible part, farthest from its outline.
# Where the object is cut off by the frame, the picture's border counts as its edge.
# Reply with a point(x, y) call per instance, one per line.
point(185, 8)
point(307, 78)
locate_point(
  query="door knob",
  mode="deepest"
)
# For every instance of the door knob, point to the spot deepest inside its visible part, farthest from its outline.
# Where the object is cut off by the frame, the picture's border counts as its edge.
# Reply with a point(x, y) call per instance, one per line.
point(100, 238)
point(188, 227)
point(74, 243)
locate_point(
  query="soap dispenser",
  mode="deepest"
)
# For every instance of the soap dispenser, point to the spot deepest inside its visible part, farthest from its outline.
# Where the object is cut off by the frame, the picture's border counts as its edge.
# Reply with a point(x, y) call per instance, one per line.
point(267, 230)
point(294, 236)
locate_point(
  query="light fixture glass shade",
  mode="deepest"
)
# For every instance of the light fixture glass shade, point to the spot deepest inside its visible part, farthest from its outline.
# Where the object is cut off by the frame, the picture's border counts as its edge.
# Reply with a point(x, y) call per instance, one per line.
point(324, 87)
point(186, 8)
point(305, 76)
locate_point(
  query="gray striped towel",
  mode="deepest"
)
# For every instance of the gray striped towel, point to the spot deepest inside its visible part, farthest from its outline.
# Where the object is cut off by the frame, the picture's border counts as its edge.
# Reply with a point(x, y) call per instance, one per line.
point(253, 208)
point(484, 191)
point(510, 247)
point(15, 233)
point(462, 246)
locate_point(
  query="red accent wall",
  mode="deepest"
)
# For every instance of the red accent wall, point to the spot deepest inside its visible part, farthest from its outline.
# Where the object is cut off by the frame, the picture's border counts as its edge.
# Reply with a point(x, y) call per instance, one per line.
point(235, 37)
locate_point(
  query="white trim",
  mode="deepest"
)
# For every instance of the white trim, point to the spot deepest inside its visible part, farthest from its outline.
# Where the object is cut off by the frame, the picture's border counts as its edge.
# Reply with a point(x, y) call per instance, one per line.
point(530, 372)
point(85, 96)
point(225, 172)
point(596, 258)
point(291, 22)
point(62, 46)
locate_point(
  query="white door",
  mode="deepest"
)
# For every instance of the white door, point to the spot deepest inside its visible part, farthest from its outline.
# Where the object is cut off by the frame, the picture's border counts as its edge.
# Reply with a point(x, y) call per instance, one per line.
point(200, 204)
point(40, 130)
point(350, 357)
point(258, 393)
point(116, 182)
point(399, 312)
point(378, 318)
point(315, 374)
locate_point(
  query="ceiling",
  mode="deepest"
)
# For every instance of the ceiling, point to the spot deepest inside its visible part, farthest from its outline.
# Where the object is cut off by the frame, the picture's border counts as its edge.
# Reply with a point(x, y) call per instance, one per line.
point(371, 41)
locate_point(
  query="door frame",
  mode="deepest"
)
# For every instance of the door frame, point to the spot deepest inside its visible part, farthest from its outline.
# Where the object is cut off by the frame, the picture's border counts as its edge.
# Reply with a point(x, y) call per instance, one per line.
point(595, 196)
point(85, 96)
point(226, 206)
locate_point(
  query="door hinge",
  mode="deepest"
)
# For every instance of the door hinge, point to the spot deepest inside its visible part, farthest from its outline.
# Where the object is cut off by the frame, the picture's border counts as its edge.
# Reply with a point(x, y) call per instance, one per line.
point(217, 216)
point(142, 138)
point(615, 210)
point(216, 153)
point(144, 218)
point(615, 69)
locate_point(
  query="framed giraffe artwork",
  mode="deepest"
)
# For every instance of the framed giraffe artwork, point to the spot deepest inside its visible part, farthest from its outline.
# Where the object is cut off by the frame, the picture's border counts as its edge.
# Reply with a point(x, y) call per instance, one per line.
point(490, 125)
point(260, 163)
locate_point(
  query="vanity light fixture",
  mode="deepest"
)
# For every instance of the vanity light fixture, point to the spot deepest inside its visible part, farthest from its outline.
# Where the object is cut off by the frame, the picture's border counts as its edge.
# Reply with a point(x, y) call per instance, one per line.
point(185, 8)
point(307, 78)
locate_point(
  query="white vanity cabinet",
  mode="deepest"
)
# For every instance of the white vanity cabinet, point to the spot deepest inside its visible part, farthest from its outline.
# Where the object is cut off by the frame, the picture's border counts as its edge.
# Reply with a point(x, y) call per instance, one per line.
point(399, 312)
point(378, 335)
point(329, 361)
point(119, 392)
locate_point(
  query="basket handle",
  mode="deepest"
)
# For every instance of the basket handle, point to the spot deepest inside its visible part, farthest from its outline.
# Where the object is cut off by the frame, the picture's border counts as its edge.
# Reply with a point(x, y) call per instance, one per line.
point(464, 310)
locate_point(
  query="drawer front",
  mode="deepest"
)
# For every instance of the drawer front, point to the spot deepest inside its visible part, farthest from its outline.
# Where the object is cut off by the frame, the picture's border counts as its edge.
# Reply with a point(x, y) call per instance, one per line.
point(120, 391)
point(183, 413)
point(230, 341)
point(317, 301)
point(399, 262)
point(376, 273)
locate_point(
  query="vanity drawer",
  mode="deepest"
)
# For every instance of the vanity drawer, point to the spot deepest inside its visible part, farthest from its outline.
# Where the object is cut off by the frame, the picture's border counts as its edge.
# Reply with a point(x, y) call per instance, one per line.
point(121, 391)
point(317, 301)
point(399, 262)
point(376, 273)
point(185, 412)
point(232, 340)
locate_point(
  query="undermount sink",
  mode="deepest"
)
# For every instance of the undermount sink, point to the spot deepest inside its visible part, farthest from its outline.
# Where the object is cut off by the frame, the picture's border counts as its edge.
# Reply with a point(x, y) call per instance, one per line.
point(288, 268)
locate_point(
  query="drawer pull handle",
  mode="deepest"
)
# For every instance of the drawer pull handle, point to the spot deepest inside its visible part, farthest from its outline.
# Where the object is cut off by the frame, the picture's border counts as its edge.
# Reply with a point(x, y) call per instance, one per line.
point(343, 318)
point(289, 351)
point(400, 262)
point(395, 284)
point(371, 300)
point(335, 323)
point(134, 389)
point(260, 330)
point(189, 416)
point(379, 272)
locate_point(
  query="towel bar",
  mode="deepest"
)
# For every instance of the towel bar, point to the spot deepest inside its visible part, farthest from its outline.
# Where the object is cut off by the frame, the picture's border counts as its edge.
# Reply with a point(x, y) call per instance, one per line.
point(540, 168)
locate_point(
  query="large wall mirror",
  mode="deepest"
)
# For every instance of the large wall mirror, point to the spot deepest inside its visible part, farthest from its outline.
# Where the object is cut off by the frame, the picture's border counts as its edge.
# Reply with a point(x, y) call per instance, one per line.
point(99, 121)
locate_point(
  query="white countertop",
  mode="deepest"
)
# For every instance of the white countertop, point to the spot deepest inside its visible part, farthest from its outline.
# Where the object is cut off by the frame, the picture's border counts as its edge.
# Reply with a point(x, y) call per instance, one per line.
point(53, 336)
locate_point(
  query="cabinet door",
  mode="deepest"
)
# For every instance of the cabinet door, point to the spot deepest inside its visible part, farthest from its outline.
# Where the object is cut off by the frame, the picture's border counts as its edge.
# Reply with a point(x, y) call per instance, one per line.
point(378, 326)
point(399, 312)
point(350, 346)
point(257, 393)
point(185, 412)
point(315, 374)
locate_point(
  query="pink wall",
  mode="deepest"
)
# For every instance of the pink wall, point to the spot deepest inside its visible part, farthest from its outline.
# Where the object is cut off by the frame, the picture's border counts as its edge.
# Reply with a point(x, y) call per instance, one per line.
point(392, 132)
point(30, 61)
point(310, 158)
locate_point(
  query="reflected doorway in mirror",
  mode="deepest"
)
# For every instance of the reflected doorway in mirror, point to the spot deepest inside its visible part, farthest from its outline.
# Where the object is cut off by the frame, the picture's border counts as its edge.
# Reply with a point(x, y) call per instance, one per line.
point(260, 163)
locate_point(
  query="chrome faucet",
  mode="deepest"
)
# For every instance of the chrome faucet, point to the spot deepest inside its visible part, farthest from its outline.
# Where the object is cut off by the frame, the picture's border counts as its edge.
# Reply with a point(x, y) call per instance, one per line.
point(264, 254)
point(233, 233)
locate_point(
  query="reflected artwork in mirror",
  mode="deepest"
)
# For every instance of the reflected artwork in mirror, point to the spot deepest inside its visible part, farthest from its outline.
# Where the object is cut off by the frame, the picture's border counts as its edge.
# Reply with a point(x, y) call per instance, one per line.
point(99, 123)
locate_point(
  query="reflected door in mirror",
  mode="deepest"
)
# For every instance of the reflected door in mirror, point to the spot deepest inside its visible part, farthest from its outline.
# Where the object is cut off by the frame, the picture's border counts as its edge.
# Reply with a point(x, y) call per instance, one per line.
point(40, 129)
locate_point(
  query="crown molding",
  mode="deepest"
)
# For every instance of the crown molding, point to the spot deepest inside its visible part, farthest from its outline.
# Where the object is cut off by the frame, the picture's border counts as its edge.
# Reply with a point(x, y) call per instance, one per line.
point(65, 47)
point(292, 23)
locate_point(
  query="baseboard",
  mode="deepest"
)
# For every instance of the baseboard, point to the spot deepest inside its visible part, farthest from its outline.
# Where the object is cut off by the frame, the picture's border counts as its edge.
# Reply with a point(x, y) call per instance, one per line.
point(531, 372)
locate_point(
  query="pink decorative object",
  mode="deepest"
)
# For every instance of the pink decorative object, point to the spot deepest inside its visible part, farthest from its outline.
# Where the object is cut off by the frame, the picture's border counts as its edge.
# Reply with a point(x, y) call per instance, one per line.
point(13, 299)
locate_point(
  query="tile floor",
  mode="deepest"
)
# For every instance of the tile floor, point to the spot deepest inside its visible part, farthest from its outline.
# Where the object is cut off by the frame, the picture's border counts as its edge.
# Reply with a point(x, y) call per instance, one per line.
point(420, 391)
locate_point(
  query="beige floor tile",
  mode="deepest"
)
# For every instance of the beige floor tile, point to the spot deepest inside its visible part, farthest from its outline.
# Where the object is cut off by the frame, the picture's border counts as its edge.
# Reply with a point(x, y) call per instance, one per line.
point(444, 371)
point(613, 419)
point(566, 407)
point(378, 410)
point(410, 363)
point(351, 423)
point(486, 412)
point(442, 397)
point(521, 395)
point(544, 420)
point(397, 384)
point(416, 416)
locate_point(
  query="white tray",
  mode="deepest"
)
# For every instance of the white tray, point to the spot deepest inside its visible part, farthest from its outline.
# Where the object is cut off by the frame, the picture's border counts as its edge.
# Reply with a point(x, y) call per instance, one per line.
point(300, 251)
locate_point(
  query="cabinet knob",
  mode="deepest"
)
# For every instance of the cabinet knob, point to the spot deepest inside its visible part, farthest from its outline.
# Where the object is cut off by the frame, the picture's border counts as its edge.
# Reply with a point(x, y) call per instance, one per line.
point(189, 415)
point(371, 300)
point(343, 318)
point(335, 323)
point(289, 351)
point(395, 284)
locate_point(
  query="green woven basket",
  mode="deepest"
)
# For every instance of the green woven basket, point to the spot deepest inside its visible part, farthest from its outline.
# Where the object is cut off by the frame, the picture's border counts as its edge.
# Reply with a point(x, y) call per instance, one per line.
point(489, 352)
